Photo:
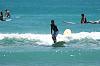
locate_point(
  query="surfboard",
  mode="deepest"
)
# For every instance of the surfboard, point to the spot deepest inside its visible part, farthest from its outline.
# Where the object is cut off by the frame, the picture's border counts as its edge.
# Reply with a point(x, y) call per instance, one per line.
point(59, 44)
point(8, 19)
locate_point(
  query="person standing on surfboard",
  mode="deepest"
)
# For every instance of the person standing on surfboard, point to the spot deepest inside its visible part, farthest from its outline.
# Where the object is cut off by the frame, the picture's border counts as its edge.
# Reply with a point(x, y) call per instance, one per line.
point(54, 31)
point(83, 19)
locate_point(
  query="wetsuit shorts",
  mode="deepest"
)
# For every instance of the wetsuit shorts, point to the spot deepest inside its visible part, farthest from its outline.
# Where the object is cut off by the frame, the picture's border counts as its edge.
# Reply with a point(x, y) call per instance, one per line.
point(55, 34)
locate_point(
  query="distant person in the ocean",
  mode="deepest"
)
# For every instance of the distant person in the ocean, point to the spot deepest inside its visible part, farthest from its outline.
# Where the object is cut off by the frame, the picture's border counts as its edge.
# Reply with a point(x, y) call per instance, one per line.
point(54, 31)
point(7, 13)
point(1, 16)
point(83, 19)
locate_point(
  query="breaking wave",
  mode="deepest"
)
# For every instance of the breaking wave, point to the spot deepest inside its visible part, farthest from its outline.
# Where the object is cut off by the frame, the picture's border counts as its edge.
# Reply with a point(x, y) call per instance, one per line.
point(82, 39)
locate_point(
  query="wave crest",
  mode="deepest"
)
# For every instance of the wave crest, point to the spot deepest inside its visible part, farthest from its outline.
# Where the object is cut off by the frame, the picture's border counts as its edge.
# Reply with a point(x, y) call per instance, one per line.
point(79, 39)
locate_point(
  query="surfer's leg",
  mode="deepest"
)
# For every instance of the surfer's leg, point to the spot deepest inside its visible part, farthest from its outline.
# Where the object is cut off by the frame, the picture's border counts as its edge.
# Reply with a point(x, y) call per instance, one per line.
point(55, 35)
point(54, 39)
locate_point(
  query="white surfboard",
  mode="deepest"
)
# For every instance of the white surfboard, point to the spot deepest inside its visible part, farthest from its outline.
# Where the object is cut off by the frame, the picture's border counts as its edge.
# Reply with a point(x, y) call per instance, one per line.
point(8, 19)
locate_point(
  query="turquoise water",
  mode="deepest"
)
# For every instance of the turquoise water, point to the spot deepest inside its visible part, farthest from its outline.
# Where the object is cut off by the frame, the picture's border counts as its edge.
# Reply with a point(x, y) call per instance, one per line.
point(25, 40)
point(51, 57)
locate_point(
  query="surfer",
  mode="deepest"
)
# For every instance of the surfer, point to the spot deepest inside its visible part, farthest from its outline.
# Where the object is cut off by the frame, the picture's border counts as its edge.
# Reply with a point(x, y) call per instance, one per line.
point(7, 13)
point(1, 16)
point(83, 19)
point(54, 31)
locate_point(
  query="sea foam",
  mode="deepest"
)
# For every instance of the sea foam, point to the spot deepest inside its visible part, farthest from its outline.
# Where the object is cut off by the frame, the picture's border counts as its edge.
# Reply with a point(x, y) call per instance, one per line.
point(47, 38)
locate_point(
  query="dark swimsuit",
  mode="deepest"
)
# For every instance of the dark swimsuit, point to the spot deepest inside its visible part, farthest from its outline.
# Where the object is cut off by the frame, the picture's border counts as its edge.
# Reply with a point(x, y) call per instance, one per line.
point(55, 29)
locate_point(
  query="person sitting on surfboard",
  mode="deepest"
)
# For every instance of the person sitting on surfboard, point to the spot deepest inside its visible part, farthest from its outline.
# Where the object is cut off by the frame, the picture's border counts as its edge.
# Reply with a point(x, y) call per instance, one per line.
point(7, 13)
point(83, 19)
point(55, 31)
point(1, 16)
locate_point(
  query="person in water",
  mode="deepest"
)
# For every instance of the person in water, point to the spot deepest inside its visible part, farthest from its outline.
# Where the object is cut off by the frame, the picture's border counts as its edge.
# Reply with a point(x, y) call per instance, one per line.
point(7, 13)
point(83, 19)
point(54, 31)
point(1, 16)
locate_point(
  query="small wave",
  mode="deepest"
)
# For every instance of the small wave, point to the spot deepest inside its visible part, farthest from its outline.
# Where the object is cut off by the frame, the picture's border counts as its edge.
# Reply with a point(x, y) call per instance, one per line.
point(75, 39)
point(17, 42)
point(15, 38)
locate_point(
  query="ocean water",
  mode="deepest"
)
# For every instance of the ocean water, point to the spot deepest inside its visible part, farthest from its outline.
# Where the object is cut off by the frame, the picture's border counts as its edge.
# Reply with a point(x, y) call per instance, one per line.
point(25, 40)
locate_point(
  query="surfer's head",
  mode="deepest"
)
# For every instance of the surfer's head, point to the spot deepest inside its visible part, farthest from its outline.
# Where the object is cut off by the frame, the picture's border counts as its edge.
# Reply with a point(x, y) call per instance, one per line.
point(82, 15)
point(52, 21)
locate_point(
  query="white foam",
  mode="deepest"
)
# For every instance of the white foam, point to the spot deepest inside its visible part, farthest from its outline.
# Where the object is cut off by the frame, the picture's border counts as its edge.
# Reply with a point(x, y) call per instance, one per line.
point(47, 38)
point(81, 35)
point(44, 38)
point(69, 22)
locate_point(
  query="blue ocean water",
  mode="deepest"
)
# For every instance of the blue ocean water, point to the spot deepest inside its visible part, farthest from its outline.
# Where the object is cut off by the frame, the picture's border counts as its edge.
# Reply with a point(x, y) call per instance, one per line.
point(25, 40)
